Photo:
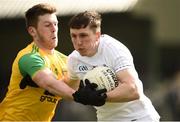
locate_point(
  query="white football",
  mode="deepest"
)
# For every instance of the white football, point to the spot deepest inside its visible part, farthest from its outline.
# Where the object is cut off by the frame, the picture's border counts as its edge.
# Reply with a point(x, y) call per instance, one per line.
point(104, 77)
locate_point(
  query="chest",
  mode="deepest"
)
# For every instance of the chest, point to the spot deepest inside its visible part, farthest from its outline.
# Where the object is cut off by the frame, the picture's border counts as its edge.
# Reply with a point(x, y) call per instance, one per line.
point(56, 65)
point(82, 65)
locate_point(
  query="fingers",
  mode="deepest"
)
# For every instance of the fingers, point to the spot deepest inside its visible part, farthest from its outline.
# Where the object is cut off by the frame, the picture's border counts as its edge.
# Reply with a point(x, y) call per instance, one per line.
point(87, 82)
point(91, 85)
point(102, 91)
point(104, 96)
point(81, 85)
point(101, 100)
point(88, 95)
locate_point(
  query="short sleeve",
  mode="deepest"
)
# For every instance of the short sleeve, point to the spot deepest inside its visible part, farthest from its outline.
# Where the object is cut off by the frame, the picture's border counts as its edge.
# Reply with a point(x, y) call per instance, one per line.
point(119, 56)
point(30, 64)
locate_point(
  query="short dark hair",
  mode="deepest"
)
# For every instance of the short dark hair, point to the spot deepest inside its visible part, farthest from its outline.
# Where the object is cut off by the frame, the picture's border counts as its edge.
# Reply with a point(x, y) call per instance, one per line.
point(84, 19)
point(32, 14)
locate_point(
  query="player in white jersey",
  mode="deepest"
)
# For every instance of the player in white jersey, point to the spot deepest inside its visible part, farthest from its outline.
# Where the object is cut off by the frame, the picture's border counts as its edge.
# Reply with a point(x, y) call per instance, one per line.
point(127, 101)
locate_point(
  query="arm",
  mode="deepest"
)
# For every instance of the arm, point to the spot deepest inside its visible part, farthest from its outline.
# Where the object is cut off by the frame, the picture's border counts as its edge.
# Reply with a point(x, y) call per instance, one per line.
point(45, 79)
point(34, 66)
point(126, 90)
point(35, 73)
point(73, 83)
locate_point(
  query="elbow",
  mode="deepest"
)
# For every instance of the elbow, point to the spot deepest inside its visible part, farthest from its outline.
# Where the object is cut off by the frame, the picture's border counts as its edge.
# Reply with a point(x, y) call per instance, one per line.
point(134, 93)
point(136, 96)
point(45, 85)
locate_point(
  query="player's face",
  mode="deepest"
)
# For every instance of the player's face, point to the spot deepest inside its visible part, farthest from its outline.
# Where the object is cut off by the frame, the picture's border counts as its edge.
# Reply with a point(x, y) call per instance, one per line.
point(46, 31)
point(85, 41)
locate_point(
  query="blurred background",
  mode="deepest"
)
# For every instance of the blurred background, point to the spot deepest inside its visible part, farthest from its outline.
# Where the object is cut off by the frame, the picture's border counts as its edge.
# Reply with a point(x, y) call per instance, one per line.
point(149, 28)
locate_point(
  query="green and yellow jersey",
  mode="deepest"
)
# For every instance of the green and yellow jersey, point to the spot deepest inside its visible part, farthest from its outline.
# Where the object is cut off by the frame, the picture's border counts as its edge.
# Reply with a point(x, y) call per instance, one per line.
point(24, 99)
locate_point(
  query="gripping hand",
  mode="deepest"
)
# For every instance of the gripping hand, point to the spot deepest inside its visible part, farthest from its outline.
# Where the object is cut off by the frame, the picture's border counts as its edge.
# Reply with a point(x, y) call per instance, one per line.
point(88, 95)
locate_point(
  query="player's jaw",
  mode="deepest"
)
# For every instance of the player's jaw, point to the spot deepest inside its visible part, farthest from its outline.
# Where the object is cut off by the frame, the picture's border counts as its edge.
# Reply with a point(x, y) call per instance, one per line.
point(48, 42)
point(86, 51)
point(82, 51)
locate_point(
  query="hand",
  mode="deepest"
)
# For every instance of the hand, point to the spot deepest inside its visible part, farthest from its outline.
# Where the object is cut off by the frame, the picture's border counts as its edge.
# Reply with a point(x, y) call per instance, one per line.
point(88, 95)
point(27, 81)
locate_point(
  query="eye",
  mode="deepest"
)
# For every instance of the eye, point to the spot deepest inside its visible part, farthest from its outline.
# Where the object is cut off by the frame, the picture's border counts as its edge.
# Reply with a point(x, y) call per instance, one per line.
point(47, 25)
point(83, 35)
point(56, 23)
point(73, 36)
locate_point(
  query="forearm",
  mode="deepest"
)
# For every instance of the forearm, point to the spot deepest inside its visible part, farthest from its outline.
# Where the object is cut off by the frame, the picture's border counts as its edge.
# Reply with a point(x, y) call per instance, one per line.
point(73, 83)
point(61, 89)
point(123, 93)
point(46, 80)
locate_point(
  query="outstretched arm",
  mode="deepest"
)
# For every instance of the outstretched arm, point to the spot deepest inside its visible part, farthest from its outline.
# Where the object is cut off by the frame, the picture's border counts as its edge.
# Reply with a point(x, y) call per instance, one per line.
point(45, 79)
point(86, 95)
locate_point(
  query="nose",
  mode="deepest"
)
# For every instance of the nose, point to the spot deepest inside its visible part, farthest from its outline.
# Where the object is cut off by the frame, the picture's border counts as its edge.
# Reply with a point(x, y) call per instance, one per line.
point(79, 41)
point(54, 28)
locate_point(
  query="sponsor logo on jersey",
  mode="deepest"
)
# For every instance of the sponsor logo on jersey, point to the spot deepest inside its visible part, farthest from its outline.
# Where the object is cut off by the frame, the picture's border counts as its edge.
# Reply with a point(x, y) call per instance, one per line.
point(49, 97)
point(83, 68)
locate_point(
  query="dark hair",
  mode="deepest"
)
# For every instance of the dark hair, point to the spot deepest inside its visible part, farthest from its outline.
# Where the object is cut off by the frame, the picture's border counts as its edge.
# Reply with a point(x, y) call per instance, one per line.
point(32, 14)
point(84, 19)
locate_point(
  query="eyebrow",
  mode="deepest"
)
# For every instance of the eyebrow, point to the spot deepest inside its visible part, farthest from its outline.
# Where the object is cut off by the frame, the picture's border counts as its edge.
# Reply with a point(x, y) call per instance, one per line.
point(48, 22)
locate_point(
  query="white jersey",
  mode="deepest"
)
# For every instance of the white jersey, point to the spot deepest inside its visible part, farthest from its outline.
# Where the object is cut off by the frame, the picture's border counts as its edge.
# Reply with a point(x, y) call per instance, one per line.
point(115, 55)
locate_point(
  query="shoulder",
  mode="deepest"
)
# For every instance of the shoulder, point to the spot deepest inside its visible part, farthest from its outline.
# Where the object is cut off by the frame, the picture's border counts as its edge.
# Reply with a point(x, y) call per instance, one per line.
point(30, 55)
point(30, 58)
point(61, 55)
point(75, 54)
point(27, 50)
point(73, 58)
point(30, 63)
point(110, 44)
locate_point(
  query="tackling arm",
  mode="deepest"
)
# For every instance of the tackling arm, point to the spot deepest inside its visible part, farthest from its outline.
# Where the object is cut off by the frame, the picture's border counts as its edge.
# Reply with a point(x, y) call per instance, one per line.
point(45, 79)
point(73, 83)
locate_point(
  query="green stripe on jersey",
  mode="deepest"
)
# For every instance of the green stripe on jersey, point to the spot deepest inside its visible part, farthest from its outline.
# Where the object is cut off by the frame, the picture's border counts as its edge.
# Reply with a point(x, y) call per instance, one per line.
point(34, 49)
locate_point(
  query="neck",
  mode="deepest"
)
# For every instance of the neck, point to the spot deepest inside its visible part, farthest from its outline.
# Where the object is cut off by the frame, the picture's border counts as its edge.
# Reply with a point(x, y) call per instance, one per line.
point(46, 50)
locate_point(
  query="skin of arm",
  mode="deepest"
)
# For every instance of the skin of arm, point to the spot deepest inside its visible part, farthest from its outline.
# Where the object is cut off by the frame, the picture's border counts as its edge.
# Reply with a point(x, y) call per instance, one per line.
point(126, 90)
point(45, 79)
point(73, 83)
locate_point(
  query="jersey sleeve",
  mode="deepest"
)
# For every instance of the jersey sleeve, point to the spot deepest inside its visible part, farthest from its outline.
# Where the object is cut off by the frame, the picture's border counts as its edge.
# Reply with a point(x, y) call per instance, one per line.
point(30, 64)
point(120, 56)
point(123, 60)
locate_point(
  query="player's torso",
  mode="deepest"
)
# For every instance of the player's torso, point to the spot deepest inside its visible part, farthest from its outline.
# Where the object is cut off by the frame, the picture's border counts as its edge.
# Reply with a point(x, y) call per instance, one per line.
point(32, 103)
point(84, 65)
point(113, 58)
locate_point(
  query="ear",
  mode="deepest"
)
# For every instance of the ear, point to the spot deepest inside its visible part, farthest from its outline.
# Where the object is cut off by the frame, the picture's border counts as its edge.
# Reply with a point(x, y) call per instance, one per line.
point(98, 34)
point(31, 31)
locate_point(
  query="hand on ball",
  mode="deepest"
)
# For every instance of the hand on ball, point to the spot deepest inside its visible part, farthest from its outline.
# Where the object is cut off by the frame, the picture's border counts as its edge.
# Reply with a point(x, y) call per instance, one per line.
point(88, 95)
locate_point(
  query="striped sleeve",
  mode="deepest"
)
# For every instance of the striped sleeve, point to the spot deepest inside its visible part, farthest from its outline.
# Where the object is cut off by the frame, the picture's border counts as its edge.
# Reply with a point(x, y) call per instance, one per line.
point(120, 56)
point(30, 64)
